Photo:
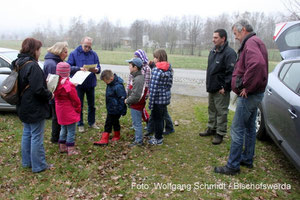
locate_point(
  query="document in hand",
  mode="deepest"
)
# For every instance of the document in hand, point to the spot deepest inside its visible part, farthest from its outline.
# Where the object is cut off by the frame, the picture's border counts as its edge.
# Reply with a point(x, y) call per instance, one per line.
point(89, 66)
point(52, 82)
point(79, 77)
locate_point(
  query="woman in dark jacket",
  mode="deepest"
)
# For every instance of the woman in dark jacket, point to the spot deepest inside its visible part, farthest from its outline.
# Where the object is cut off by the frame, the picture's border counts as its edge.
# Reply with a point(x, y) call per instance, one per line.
point(33, 107)
point(57, 53)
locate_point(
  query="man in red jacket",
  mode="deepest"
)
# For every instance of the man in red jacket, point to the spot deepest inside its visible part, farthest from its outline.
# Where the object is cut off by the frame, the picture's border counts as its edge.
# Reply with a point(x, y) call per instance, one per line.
point(249, 80)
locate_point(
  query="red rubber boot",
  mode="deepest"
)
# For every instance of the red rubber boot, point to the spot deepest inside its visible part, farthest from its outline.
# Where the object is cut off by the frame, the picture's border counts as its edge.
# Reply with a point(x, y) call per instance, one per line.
point(103, 140)
point(116, 136)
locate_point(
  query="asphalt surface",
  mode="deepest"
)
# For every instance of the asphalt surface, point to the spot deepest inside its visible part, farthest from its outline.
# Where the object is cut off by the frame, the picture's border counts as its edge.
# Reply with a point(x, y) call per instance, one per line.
point(185, 82)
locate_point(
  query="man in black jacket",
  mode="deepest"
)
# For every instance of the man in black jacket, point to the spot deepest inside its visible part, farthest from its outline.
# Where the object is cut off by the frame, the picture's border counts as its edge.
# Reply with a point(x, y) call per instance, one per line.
point(221, 62)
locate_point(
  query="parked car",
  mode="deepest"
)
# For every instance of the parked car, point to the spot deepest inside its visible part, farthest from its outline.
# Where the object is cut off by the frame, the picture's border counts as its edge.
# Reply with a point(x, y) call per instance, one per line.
point(279, 112)
point(6, 57)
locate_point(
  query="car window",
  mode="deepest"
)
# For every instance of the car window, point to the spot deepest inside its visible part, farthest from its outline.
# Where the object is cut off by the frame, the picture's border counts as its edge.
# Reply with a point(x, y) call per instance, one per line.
point(291, 78)
point(283, 71)
point(3, 63)
point(292, 37)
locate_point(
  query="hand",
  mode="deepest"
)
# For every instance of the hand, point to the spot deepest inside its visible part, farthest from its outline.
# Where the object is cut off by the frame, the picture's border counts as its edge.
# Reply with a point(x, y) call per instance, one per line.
point(93, 70)
point(125, 101)
point(83, 69)
point(52, 96)
point(243, 93)
point(222, 91)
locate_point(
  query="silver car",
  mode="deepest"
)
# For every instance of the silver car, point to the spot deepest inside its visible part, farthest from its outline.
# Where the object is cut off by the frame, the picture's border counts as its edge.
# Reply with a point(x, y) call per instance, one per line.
point(279, 112)
point(6, 57)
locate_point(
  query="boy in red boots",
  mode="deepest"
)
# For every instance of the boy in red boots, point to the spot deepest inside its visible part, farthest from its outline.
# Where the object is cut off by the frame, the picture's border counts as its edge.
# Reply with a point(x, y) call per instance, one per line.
point(115, 96)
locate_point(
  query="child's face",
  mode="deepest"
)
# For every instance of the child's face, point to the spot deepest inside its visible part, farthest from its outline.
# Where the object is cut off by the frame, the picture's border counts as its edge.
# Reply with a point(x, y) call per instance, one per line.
point(132, 68)
point(108, 81)
point(155, 60)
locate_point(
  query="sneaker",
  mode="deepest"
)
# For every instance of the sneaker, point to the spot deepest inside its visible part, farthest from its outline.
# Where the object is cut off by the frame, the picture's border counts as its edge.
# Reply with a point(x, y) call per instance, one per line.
point(208, 132)
point(217, 139)
point(80, 129)
point(94, 126)
point(154, 141)
point(136, 144)
point(226, 170)
point(148, 135)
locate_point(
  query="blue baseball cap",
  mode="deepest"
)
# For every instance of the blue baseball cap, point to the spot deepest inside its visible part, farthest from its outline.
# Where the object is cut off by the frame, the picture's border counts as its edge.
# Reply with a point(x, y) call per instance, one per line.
point(136, 61)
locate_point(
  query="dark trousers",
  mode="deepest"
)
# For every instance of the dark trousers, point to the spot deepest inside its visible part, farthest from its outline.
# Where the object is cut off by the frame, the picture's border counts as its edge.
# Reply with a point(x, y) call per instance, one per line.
point(158, 113)
point(112, 121)
point(55, 126)
point(168, 123)
point(90, 95)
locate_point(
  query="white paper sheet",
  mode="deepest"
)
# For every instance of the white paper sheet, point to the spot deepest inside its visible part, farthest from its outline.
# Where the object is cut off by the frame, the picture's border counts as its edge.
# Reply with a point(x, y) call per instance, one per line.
point(79, 77)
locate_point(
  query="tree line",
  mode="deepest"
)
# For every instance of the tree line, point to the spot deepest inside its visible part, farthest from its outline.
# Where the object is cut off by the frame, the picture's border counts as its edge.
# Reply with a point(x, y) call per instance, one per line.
point(186, 35)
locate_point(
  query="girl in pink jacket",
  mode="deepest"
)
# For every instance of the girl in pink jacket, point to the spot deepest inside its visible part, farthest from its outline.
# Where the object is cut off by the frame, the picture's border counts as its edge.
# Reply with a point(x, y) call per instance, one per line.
point(68, 108)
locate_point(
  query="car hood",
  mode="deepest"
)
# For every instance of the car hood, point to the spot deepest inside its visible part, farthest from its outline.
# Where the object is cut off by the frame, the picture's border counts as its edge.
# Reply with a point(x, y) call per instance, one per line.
point(287, 39)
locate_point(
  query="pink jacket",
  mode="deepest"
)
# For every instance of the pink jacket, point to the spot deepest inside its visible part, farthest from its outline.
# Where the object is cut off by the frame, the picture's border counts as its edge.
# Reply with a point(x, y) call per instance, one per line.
point(67, 103)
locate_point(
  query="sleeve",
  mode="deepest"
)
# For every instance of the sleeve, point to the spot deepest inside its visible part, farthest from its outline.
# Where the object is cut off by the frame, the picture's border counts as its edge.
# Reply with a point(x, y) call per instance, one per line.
point(229, 64)
point(129, 82)
point(98, 63)
point(75, 99)
point(255, 66)
point(137, 91)
point(72, 62)
point(152, 88)
point(37, 83)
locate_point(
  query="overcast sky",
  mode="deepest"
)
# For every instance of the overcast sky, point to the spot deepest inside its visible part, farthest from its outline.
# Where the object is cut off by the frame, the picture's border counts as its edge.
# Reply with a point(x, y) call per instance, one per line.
point(19, 15)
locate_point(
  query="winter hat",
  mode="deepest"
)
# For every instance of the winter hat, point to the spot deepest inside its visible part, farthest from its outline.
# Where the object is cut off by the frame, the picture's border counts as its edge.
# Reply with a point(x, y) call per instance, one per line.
point(136, 61)
point(63, 69)
point(142, 55)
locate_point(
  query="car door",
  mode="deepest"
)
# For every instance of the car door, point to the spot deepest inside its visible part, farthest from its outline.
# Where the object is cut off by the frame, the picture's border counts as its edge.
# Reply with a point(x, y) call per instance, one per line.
point(4, 72)
point(282, 107)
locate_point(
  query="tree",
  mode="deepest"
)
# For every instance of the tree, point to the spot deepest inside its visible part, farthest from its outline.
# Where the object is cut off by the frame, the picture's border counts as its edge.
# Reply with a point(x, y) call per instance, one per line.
point(76, 31)
point(293, 7)
point(136, 33)
point(194, 27)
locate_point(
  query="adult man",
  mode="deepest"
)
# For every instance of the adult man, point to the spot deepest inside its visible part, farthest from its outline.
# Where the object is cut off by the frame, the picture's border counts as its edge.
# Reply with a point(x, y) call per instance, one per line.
point(84, 55)
point(221, 62)
point(249, 81)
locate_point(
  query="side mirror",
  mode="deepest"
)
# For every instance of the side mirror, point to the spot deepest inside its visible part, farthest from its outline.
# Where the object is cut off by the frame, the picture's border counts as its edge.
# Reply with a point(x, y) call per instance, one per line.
point(5, 70)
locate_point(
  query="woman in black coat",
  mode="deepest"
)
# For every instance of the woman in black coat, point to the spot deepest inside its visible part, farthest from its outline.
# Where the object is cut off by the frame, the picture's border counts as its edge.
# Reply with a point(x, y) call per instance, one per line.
point(33, 107)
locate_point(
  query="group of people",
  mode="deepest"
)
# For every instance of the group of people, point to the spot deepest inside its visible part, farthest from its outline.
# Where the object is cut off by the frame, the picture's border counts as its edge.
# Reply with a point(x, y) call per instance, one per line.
point(245, 73)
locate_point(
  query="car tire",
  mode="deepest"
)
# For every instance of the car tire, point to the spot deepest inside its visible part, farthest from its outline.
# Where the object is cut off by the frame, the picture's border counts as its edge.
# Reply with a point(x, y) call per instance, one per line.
point(260, 125)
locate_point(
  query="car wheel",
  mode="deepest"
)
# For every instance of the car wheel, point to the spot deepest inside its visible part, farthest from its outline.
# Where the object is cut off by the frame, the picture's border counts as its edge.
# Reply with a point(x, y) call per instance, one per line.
point(260, 124)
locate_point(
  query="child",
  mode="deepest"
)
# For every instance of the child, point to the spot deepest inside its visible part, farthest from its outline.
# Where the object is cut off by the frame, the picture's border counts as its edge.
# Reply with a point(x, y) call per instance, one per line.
point(160, 93)
point(68, 108)
point(136, 98)
point(115, 96)
point(146, 71)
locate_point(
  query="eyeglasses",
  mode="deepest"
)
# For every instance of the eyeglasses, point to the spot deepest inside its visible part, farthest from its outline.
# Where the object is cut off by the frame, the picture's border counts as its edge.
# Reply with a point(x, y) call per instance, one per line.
point(87, 47)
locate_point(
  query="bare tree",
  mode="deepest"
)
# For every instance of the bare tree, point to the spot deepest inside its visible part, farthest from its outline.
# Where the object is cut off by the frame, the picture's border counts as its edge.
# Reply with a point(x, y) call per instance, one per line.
point(293, 7)
point(194, 27)
point(136, 33)
point(76, 31)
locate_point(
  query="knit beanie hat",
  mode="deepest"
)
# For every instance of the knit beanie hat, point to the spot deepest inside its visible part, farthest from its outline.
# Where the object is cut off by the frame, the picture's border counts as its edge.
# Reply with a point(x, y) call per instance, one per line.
point(63, 69)
point(142, 55)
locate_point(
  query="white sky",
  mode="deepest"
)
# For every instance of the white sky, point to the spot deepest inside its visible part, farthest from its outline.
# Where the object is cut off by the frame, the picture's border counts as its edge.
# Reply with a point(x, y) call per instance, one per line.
point(18, 15)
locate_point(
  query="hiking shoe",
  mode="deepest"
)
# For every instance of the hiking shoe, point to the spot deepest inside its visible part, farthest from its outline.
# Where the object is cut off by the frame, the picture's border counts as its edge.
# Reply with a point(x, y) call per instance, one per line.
point(80, 129)
point(208, 132)
point(217, 139)
point(154, 141)
point(250, 166)
point(136, 144)
point(94, 126)
point(226, 170)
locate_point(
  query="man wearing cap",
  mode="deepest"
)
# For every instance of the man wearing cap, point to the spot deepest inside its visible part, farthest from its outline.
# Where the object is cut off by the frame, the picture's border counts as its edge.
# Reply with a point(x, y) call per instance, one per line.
point(136, 98)
point(84, 55)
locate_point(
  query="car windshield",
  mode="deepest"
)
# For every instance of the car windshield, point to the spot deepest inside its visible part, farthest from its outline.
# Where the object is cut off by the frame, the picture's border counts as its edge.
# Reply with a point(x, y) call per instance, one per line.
point(11, 55)
point(292, 37)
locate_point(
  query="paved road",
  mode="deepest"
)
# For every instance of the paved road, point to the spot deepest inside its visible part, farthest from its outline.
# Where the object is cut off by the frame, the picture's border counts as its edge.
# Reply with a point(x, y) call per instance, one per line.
point(185, 82)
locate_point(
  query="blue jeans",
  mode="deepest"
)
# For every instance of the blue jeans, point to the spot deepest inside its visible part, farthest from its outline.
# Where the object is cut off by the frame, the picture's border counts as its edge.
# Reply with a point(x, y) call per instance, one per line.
point(67, 134)
point(90, 95)
point(136, 116)
point(32, 147)
point(243, 132)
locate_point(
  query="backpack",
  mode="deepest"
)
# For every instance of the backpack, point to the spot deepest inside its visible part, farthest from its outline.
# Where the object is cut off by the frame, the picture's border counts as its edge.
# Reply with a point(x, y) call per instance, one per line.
point(9, 87)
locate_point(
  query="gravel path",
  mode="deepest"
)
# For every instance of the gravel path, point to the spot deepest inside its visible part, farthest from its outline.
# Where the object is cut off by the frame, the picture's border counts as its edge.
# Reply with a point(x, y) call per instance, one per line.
point(185, 82)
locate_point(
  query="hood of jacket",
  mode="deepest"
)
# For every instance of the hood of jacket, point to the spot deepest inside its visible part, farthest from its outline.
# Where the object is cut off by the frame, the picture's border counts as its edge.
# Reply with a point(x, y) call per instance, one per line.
point(22, 59)
point(163, 65)
point(80, 50)
point(116, 80)
point(53, 56)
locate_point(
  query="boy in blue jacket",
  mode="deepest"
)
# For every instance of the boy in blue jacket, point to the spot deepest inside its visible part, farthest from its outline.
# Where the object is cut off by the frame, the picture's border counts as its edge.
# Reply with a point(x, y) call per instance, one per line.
point(115, 96)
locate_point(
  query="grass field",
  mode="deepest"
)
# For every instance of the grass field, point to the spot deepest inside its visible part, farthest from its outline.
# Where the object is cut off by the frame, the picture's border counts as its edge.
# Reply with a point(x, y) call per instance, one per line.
point(182, 168)
point(118, 57)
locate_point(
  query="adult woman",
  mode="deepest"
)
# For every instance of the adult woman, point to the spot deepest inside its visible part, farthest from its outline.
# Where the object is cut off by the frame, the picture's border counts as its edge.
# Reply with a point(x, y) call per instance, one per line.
point(57, 53)
point(33, 108)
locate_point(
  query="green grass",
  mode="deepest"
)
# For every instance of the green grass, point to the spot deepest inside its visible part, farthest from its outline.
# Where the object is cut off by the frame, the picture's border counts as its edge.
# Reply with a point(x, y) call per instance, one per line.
point(118, 172)
point(119, 56)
